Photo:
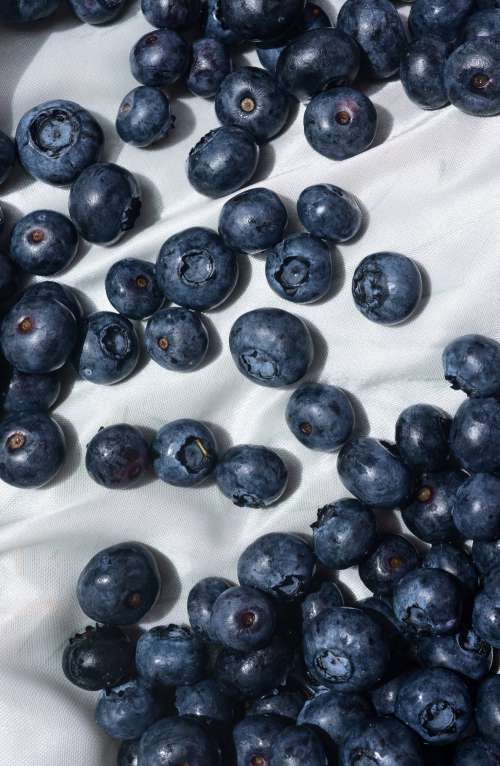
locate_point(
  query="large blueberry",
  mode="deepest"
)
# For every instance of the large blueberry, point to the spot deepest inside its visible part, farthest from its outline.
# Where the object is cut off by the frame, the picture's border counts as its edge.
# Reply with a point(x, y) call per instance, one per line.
point(465, 652)
point(328, 595)
point(340, 123)
point(117, 456)
point(43, 242)
point(484, 23)
point(454, 560)
point(7, 156)
point(31, 392)
point(222, 161)
point(299, 269)
point(32, 449)
point(99, 658)
point(254, 738)
point(213, 27)
point(109, 348)
point(428, 602)
point(173, 14)
point(170, 656)
point(253, 220)
point(297, 745)
point(174, 741)
point(472, 77)
point(488, 709)
point(382, 740)
point(271, 347)
point(132, 288)
point(251, 476)
point(475, 435)
point(27, 11)
point(344, 534)
point(200, 602)
point(97, 11)
point(471, 363)
point(243, 619)
point(474, 750)
point(119, 584)
point(336, 713)
point(390, 560)
point(422, 433)
point(126, 711)
point(56, 291)
point(176, 339)
point(57, 140)
point(486, 555)
point(144, 116)
point(330, 212)
point(429, 515)
point(440, 18)
point(204, 700)
point(251, 674)
point(320, 416)
point(476, 512)
point(422, 72)
point(285, 703)
point(210, 64)
point(379, 32)
point(260, 20)
point(159, 58)
point(184, 453)
point(387, 287)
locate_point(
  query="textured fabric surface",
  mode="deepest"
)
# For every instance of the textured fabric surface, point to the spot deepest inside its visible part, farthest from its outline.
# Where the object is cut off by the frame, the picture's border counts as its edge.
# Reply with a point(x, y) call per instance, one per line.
point(431, 189)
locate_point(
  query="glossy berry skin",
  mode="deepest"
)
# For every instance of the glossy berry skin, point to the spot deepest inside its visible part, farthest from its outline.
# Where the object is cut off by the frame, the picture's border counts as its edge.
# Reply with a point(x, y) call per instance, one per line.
point(297, 745)
point(475, 750)
point(450, 558)
point(284, 703)
point(214, 29)
point(281, 565)
point(383, 739)
point(430, 514)
point(56, 291)
point(271, 347)
point(392, 558)
point(7, 156)
point(176, 339)
point(372, 471)
point(251, 476)
point(336, 713)
point(126, 711)
point(195, 269)
point(173, 741)
point(43, 242)
point(387, 287)
point(472, 77)
point(222, 161)
point(254, 738)
point(260, 20)
point(128, 754)
point(32, 449)
point(475, 435)
point(329, 212)
point(97, 11)
point(486, 555)
point(476, 511)
point(27, 392)
point(253, 221)
point(344, 534)
point(56, 140)
point(98, 658)
point(109, 348)
point(422, 72)
point(119, 585)
point(428, 602)
point(440, 18)
point(340, 123)
point(244, 675)
point(200, 602)
point(471, 363)
point(117, 457)
point(159, 58)
point(104, 203)
point(486, 609)
point(465, 652)
point(328, 595)
point(422, 433)
point(184, 453)
point(483, 24)
point(488, 709)
point(243, 619)
point(144, 116)
point(132, 289)
point(210, 64)
point(22, 12)
point(172, 14)
point(345, 649)
point(204, 700)
point(436, 704)
point(320, 416)
point(384, 696)
point(299, 269)
point(170, 656)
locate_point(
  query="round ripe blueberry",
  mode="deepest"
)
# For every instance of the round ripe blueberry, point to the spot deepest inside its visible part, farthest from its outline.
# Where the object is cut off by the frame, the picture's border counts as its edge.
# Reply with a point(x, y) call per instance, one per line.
point(422, 72)
point(475, 435)
point(472, 77)
point(251, 99)
point(8, 276)
point(340, 123)
point(456, 561)
point(109, 348)
point(253, 221)
point(436, 704)
point(392, 558)
point(99, 658)
point(488, 709)
point(260, 20)
point(463, 652)
point(254, 738)
point(387, 287)
point(144, 116)
point(173, 741)
point(245, 675)
point(243, 619)
point(373, 472)
point(57, 140)
point(316, 61)
point(282, 565)
point(97, 11)
point(344, 534)
point(32, 449)
point(55, 290)
point(128, 754)
point(299, 269)
point(483, 24)
point(30, 392)
point(251, 476)
point(38, 335)
point(132, 288)
point(7, 156)
point(486, 618)
point(271, 347)
point(422, 433)
point(159, 58)
point(119, 585)
point(196, 270)
point(184, 453)
point(104, 203)
point(320, 416)
point(476, 511)
point(384, 696)
point(213, 27)
point(295, 742)
point(440, 18)
point(474, 750)
point(117, 456)
point(126, 711)
point(471, 363)
point(210, 64)
point(173, 14)
point(336, 713)
point(43, 242)
point(204, 700)
point(284, 703)
point(21, 12)
point(176, 339)
point(201, 599)
point(222, 161)
point(345, 649)
point(428, 602)
point(329, 212)
point(170, 656)
point(429, 515)
point(385, 739)
point(486, 555)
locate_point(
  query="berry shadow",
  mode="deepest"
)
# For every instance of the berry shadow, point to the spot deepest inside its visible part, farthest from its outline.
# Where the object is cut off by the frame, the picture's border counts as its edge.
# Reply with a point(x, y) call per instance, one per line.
point(113, 145)
point(292, 115)
point(68, 379)
point(361, 422)
point(170, 590)
point(184, 125)
point(266, 164)
point(365, 224)
point(426, 296)
point(388, 523)
point(294, 467)
point(294, 224)
point(215, 346)
point(73, 452)
point(152, 205)
point(12, 215)
point(320, 351)
point(384, 126)
point(18, 180)
point(222, 437)
point(244, 279)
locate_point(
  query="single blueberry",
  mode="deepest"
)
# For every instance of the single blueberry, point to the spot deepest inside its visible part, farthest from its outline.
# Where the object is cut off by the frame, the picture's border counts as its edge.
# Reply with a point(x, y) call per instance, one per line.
point(486, 555)
point(329, 212)
point(126, 711)
point(428, 602)
point(99, 658)
point(476, 511)
point(320, 416)
point(176, 339)
point(109, 349)
point(32, 449)
point(184, 453)
point(392, 558)
point(484, 23)
point(132, 288)
point(210, 64)
point(475, 750)
point(254, 738)
point(117, 456)
point(488, 709)
point(475, 435)
point(336, 713)
point(472, 364)
point(31, 392)
point(204, 700)
point(422, 433)
point(43, 242)
point(299, 269)
point(429, 515)
point(222, 161)
point(159, 58)
point(472, 77)
point(246, 675)
point(9, 278)
point(7, 156)
point(285, 703)
point(387, 287)
point(201, 599)
point(27, 11)
point(128, 754)
point(144, 116)
point(422, 72)
point(297, 745)
point(260, 20)
point(173, 14)
point(454, 560)
point(251, 476)
point(384, 740)
point(56, 291)
point(243, 619)
point(253, 221)
point(465, 652)
point(174, 741)
point(441, 18)
point(213, 27)
point(97, 11)
point(170, 656)
point(344, 534)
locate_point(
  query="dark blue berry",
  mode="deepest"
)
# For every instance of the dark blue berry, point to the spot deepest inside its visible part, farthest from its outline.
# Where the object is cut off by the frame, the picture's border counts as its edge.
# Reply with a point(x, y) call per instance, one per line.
point(429, 515)
point(99, 658)
point(254, 738)
point(184, 453)
point(297, 745)
point(144, 116)
point(176, 339)
point(251, 476)
point(132, 288)
point(474, 750)
point(204, 700)
point(126, 711)
point(30, 392)
point(170, 656)
point(282, 702)
point(109, 348)
point(9, 278)
point(440, 18)
point(486, 555)
point(330, 212)
point(213, 27)
point(384, 697)
point(173, 14)
point(128, 754)
point(472, 77)
point(465, 652)
point(387, 287)
point(454, 560)
point(382, 739)
point(55, 290)
point(483, 24)
point(246, 675)
point(25, 12)
point(210, 64)
point(328, 595)
point(201, 599)
point(243, 619)
point(299, 269)
point(488, 709)
point(159, 58)
point(377, 28)
point(422, 433)
point(260, 20)
point(344, 534)
point(174, 741)
point(43, 242)
point(7, 156)
point(32, 449)
point(320, 416)
point(428, 602)
point(475, 435)
point(390, 560)
point(97, 11)
point(118, 456)
point(486, 615)
point(336, 713)
point(253, 221)
point(222, 161)
point(422, 72)
point(472, 364)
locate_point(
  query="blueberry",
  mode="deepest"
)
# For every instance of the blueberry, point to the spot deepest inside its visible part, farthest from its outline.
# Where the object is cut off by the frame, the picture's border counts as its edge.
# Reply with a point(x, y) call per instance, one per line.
point(132, 288)
point(7, 156)
point(210, 64)
point(284, 703)
point(204, 700)
point(393, 557)
point(428, 602)
point(344, 534)
point(173, 14)
point(254, 739)
point(454, 560)
point(384, 697)
point(387, 287)
point(57, 140)
point(329, 212)
point(144, 116)
point(196, 269)
point(104, 203)
point(251, 476)
point(243, 619)
point(126, 711)
point(159, 58)
point(109, 348)
point(260, 20)
point(475, 435)
point(486, 555)
point(340, 123)
point(117, 456)
point(213, 27)
point(483, 24)
point(252, 674)
point(201, 599)
point(97, 11)
point(253, 221)
point(320, 416)
point(380, 609)
point(336, 713)
point(27, 11)
point(465, 652)
point(299, 269)
point(30, 392)
point(55, 290)
point(472, 364)
point(422, 72)
point(184, 453)
point(297, 745)
point(32, 449)
point(176, 339)
point(373, 472)
point(99, 658)
point(472, 77)
point(385, 740)
point(422, 433)
point(345, 649)
point(8, 275)
point(222, 161)
point(174, 741)
point(38, 334)
point(441, 18)
point(170, 656)
point(474, 750)
point(377, 28)
point(43, 242)
point(488, 709)
point(128, 754)
point(271, 347)
point(429, 515)
point(486, 610)
point(119, 584)
point(282, 565)
point(328, 595)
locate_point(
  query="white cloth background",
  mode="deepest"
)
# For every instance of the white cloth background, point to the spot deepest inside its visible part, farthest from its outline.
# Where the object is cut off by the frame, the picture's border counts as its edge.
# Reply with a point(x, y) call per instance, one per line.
point(431, 189)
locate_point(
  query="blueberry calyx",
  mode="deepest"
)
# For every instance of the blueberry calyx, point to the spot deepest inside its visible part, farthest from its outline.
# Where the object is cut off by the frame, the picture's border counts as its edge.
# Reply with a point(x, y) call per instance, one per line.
point(334, 667)
point(438, 717)
point(54, 131)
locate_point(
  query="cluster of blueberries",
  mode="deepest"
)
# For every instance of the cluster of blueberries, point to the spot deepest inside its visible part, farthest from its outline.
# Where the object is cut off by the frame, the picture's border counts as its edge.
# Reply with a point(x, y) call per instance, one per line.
point(279, 670)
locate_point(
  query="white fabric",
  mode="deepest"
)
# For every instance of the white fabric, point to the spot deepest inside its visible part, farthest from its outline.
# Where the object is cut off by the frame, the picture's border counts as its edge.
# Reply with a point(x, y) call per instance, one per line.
point(431, 189)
